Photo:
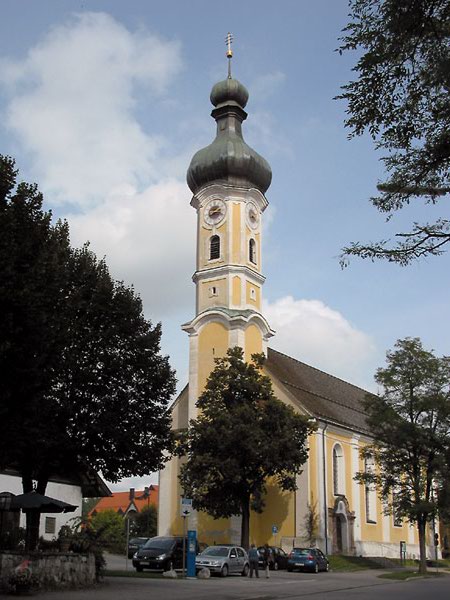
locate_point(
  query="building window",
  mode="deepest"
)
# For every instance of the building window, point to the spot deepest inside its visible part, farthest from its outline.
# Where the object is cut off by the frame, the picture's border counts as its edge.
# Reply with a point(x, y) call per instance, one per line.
point(252, 251)
point(338, 471)
point(252, 294)
point(50, 525)
point(370, 490)
point(214, 247)
point(213, 291)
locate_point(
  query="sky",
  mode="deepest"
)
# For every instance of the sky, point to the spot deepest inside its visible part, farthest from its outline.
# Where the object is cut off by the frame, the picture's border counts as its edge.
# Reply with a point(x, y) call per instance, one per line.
point(103, 104)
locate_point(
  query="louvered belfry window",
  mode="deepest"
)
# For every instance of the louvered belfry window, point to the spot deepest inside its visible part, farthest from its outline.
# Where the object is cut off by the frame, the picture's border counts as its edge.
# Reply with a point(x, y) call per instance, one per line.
point(252, 251)
point(214, 247)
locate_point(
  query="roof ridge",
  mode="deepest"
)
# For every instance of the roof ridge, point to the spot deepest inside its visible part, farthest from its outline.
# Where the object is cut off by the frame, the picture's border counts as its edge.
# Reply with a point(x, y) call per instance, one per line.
point(320, 371)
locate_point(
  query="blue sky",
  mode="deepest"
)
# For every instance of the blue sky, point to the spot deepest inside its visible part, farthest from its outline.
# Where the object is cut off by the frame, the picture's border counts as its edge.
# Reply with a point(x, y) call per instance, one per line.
point(103, 104)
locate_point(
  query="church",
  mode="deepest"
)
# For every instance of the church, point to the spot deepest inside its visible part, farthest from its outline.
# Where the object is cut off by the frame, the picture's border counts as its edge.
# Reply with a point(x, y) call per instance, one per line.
point(229, 181)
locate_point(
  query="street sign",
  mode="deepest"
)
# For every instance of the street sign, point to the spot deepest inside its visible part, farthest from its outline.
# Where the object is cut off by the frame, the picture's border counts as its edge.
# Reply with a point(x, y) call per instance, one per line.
point(186, 507)
point(274, 529)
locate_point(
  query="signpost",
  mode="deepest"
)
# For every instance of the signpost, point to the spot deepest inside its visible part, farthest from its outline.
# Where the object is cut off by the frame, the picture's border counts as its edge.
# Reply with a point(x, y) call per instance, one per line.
point(274, 532)
point(186, 509)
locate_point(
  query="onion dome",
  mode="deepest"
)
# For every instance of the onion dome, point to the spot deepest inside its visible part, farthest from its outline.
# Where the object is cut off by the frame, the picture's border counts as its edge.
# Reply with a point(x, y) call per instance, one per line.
point(229, 159)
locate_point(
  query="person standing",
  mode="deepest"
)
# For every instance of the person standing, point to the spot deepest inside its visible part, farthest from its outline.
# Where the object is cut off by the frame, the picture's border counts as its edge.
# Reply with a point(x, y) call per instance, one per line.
point(267, 559)
point(253, 558)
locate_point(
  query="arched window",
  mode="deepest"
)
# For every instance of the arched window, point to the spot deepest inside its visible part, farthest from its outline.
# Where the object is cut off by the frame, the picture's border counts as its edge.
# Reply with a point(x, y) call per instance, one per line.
point(371, 494)
point(252, 251)
point(214, 247)
point(338, 471)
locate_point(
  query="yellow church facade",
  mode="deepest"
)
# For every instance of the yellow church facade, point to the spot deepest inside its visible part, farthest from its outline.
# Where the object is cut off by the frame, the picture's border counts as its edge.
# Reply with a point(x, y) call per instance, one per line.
point(229, 181)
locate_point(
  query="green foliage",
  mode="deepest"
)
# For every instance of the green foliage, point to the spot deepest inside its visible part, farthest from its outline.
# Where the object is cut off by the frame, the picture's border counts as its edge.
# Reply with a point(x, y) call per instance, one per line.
point(110, 529)
point(401, 97)
point(83, 381)
point(89, 538)
point(242, 436)
point(410, 424)
point(145, 523)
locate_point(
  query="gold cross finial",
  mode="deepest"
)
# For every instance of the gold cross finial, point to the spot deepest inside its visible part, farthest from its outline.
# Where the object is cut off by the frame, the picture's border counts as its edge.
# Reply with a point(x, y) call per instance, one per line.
point(229, 54)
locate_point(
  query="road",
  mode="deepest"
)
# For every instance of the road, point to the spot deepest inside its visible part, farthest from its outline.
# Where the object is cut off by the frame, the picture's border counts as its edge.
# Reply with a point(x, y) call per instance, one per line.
point(364, 585)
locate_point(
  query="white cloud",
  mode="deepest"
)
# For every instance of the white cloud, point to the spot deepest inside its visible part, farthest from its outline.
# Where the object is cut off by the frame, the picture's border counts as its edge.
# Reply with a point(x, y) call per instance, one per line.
point(73, 105)
point(138, 483)
point(72, 100)
point(148, 239)
point(314, 333)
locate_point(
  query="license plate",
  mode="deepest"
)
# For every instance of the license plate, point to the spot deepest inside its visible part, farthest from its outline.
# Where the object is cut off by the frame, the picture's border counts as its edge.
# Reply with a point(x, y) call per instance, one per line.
point(144, 563)
point(299, 565)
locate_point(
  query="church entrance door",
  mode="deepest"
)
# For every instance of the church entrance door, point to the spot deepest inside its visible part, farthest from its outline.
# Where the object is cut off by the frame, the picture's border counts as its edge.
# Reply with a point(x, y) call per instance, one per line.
point(339, 545)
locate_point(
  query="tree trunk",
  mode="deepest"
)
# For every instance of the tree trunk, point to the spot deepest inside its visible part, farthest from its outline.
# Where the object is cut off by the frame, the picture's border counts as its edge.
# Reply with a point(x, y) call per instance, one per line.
point(421, 526)
point(245, 523)
point(33, 517)
point(32, 533)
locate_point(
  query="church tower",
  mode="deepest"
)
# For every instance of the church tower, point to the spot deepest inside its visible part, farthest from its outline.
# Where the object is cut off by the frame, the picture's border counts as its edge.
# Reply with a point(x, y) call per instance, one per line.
point(228, 180)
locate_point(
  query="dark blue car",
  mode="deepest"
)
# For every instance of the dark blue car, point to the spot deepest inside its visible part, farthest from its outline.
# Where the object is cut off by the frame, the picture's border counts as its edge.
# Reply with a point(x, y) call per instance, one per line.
point(307, 559)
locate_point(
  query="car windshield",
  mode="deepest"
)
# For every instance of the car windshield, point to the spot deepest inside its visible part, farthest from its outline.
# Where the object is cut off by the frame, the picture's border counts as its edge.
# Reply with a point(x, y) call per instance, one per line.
point(159, 543)
point(302, 551)
point(216, 551)
point(137, 540)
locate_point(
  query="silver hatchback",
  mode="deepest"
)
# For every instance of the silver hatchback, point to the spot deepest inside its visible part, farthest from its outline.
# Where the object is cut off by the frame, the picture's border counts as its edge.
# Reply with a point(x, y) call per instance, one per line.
point(223, 560)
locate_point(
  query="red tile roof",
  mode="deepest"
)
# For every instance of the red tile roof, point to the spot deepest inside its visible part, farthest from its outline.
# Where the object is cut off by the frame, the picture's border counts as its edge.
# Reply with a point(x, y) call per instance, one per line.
point(120, 501)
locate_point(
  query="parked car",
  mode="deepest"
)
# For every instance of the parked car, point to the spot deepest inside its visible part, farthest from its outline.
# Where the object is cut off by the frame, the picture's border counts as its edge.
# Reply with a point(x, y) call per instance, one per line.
point(160, 553)
point(134, 544)
point(307, 559)
point(279, 558)
point(223, 560)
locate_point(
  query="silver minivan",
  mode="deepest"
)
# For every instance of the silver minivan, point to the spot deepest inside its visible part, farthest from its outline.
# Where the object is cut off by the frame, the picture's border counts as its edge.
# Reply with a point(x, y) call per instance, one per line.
point(223, 560)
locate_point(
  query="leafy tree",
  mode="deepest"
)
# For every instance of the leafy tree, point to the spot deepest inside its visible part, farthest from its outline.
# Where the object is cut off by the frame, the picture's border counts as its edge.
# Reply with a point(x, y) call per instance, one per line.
point(242, 436)
point(401, 97)
point(145, 523)
point(410, 424)
point(110, 527)
point(83, 381)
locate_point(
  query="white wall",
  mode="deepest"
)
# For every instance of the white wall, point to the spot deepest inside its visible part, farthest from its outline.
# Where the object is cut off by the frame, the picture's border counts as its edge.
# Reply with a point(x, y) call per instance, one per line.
point(61, 491)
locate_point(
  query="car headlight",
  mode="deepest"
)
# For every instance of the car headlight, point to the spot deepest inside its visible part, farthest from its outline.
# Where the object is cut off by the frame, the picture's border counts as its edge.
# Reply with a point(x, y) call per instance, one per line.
point(161, 557)
point(135, 555)
point(215, 563)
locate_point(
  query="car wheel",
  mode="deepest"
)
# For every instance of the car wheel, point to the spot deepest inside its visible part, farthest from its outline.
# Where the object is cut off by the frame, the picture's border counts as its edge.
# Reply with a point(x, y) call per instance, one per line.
point(224, 571)
point(139, 569)
point(316, 568)
point(275, 566)
point(168, 566)
point(245, 571)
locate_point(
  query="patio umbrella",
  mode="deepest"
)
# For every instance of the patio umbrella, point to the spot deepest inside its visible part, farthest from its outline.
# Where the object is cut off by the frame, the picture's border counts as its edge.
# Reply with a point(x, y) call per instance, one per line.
point(38, 502)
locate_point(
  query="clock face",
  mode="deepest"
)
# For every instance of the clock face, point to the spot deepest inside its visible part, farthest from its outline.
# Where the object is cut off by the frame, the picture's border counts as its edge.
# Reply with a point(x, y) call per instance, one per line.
point(252, 215)
point(214, 212)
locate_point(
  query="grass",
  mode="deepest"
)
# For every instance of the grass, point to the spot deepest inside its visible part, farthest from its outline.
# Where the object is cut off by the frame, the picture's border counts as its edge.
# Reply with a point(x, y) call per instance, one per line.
point(342, 564)
point(402, 575)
